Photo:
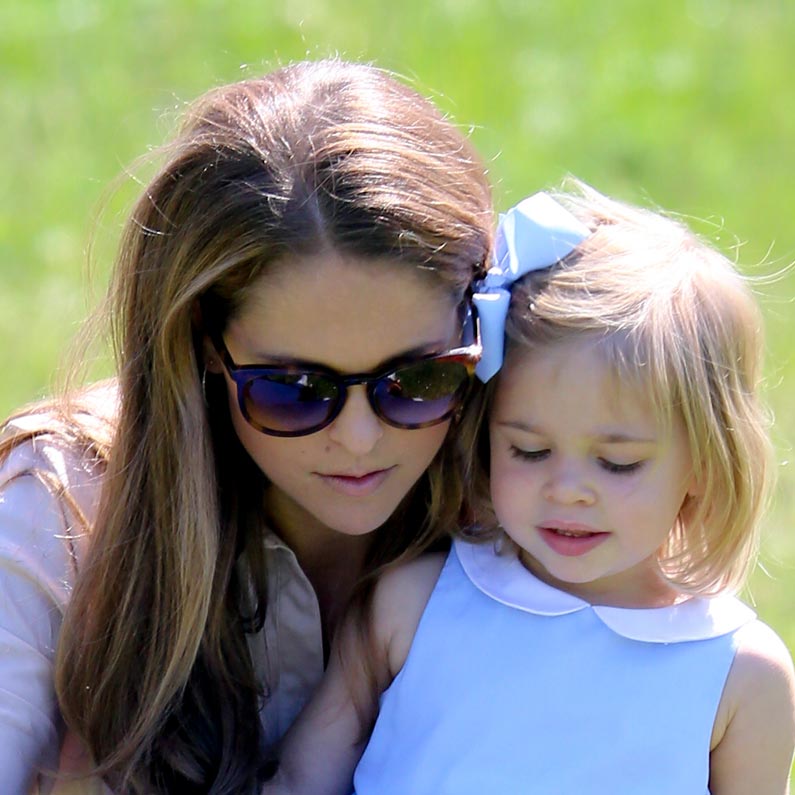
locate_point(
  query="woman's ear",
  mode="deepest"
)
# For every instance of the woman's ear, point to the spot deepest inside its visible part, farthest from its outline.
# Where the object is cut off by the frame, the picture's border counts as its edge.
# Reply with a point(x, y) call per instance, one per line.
point(211, 359)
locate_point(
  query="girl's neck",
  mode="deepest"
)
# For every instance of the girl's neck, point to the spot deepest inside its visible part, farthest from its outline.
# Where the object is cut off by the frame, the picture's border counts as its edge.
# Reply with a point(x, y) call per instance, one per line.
point(645, 587)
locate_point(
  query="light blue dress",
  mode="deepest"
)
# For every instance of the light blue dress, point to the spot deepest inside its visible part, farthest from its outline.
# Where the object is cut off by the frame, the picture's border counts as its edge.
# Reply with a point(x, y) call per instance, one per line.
point(512, 686)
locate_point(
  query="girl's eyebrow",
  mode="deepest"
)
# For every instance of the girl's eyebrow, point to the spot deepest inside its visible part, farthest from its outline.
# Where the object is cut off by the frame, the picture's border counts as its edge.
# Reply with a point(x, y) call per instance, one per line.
point(518, 425)
point(624, 438)
point(608, 437)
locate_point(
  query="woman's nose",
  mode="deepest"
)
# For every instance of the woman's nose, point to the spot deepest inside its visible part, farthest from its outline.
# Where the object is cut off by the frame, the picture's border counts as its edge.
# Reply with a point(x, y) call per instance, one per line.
point(357, 428)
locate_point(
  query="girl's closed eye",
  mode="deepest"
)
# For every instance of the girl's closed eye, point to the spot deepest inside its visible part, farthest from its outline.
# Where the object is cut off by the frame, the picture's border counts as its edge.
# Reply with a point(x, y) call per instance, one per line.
point(620, 469)
point(541, 454)
point(529, 455)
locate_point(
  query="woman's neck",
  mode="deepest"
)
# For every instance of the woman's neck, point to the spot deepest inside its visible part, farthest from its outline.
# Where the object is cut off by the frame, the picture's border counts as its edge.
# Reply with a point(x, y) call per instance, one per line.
point(332, 561)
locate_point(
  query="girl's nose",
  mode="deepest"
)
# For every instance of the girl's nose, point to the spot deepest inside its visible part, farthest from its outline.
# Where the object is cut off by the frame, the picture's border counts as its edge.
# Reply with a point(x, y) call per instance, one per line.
point(568, 484)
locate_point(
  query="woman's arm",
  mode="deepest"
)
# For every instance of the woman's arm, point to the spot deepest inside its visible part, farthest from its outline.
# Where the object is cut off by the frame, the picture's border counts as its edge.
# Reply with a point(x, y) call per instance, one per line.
point(753, 749)
point(321, 750)
point(35, 574)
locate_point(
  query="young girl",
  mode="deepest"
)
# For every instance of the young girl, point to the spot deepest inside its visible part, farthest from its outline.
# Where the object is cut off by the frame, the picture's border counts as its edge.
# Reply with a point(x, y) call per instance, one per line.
point(583, 638)
point(176, 547)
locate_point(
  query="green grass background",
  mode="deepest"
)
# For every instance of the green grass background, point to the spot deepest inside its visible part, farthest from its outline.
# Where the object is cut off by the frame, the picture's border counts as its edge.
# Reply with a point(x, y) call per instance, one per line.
point(689, 104)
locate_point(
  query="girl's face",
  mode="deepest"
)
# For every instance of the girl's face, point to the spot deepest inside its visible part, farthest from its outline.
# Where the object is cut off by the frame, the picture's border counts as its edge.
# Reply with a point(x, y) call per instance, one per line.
point(582, 477)
point(350, 315)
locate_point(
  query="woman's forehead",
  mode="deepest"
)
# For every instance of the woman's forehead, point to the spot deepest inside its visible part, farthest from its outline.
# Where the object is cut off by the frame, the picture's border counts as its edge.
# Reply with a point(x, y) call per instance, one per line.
point(346, 312)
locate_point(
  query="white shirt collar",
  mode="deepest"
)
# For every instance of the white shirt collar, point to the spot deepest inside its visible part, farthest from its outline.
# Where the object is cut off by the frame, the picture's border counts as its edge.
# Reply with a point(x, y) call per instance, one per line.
point(503, 578)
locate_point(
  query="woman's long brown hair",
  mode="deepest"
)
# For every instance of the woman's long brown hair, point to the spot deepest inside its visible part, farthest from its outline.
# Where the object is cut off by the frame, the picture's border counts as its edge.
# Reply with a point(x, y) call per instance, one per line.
point(153, 670)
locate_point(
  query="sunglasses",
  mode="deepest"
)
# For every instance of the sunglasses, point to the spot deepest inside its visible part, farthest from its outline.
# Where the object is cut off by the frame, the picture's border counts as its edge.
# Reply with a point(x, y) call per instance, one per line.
point(296, 400)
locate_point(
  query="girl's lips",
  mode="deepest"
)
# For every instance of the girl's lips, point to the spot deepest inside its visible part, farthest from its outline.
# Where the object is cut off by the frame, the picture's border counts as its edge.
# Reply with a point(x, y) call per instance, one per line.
point(356, 485)
point(571, 540)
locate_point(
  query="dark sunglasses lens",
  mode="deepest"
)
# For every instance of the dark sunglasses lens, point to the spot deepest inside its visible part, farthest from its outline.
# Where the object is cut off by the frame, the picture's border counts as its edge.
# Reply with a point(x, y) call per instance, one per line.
point(422, 393)
point(290, 402)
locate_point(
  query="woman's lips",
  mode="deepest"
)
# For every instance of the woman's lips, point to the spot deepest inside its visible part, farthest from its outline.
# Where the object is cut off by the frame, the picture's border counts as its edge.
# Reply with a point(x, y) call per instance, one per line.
point(356, 485)
point(570, 539)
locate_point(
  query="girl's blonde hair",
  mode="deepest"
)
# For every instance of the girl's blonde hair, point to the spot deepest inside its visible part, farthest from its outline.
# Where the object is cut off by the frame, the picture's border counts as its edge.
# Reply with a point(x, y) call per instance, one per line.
point(675, 318)
point(153, 669)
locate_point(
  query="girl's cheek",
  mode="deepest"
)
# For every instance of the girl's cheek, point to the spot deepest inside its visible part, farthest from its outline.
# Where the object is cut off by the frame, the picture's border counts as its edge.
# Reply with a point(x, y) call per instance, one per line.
point(503, 465)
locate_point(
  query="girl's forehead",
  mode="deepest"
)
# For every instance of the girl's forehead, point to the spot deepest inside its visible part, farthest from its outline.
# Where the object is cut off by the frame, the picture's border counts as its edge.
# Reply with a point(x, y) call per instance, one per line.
point(577, 372)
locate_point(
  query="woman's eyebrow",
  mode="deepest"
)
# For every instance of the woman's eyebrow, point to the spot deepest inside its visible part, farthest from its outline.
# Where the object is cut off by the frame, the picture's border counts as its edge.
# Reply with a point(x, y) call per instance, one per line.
point(426, 349)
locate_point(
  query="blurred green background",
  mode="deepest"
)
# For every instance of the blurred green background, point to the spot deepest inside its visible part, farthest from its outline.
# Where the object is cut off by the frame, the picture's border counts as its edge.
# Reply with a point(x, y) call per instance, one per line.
point(687, 105)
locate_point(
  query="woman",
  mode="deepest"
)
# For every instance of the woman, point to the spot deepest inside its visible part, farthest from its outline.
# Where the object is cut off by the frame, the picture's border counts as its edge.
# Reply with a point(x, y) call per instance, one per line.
point(289, 310)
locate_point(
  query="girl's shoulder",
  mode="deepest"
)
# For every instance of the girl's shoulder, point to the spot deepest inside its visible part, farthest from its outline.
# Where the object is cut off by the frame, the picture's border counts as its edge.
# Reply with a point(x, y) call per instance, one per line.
point(754, 730)
point(400, 598)
point(762, 670)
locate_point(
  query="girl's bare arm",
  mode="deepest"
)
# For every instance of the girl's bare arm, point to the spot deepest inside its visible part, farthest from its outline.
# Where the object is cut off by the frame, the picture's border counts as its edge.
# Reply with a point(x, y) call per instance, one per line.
point(321, 750)
point(755, 729)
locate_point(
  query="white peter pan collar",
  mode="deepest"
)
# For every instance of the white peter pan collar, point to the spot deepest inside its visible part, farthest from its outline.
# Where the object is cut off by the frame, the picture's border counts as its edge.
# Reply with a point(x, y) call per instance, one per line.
point(503, 578)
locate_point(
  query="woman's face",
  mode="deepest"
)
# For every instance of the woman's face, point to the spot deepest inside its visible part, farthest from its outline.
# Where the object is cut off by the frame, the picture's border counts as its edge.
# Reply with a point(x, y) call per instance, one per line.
point(351, 315)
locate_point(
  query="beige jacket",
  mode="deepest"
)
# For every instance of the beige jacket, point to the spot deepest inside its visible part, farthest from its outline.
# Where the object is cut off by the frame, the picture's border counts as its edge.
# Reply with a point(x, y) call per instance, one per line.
point(39, 560)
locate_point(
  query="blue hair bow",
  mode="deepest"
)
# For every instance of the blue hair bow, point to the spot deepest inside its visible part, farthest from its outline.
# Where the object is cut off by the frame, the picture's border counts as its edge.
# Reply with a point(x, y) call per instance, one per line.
point(535, 234)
